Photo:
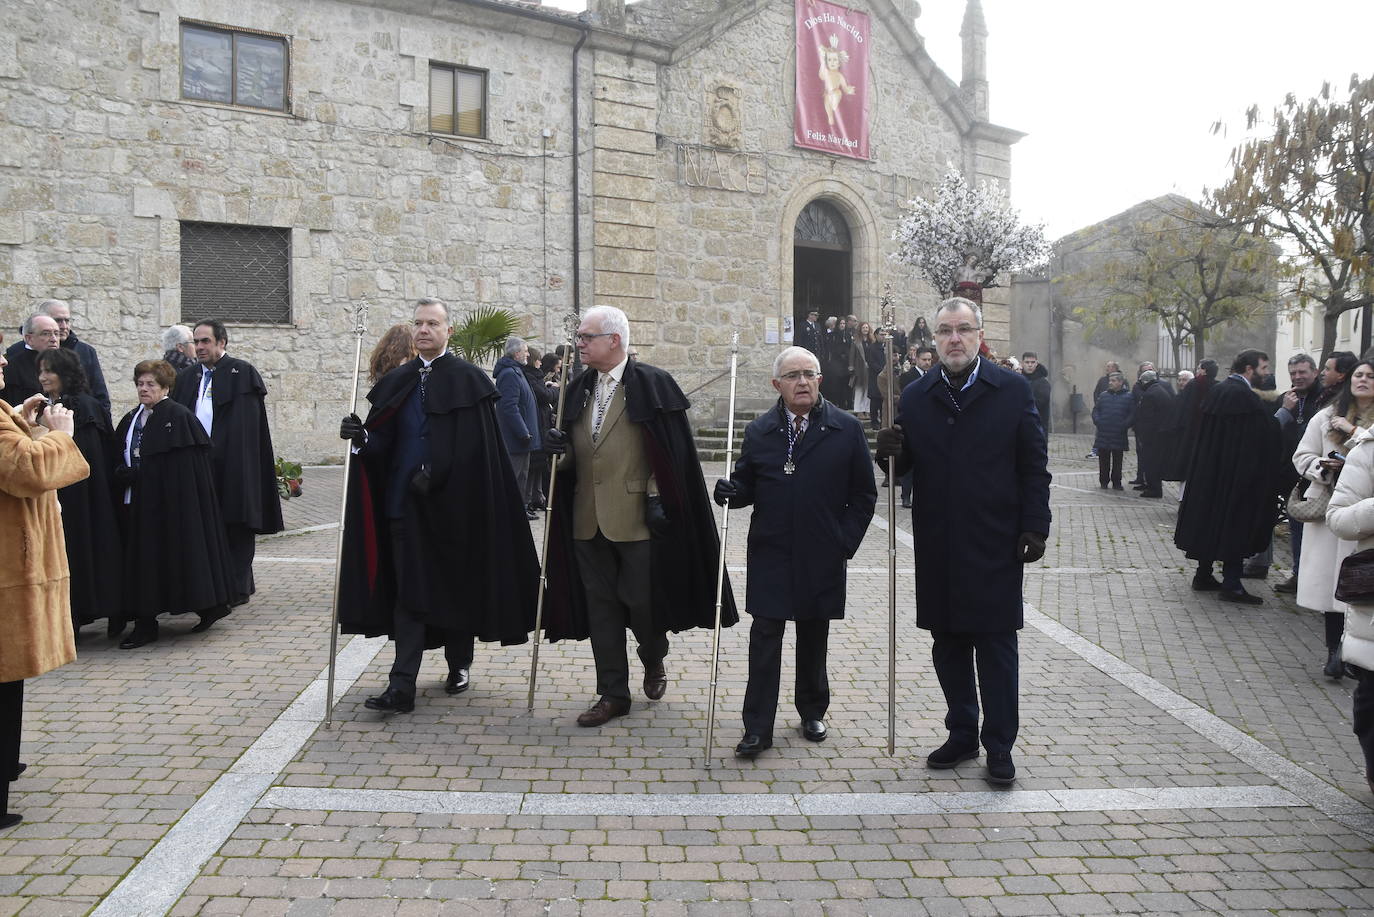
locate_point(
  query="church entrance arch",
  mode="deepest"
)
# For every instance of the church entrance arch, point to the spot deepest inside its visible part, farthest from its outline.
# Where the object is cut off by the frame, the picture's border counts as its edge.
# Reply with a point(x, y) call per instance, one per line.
point(822, 259)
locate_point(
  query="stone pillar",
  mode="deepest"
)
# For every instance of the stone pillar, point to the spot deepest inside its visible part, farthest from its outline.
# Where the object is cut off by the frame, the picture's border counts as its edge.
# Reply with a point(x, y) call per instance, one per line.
point(973, 84)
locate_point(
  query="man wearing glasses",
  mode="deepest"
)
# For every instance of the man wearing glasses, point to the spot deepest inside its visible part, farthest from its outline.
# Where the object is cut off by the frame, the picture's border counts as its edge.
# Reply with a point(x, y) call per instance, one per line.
point(970, 431)
point(40, 333)
point(635, 541)
point(61, 313)
point(806, 470)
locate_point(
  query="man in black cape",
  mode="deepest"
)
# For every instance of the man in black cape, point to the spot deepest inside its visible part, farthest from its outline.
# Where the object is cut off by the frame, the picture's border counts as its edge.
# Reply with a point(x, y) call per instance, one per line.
point(634, 539)
point(229, 398)
point(1229, 504)
point(437, 549)
point(60, 312)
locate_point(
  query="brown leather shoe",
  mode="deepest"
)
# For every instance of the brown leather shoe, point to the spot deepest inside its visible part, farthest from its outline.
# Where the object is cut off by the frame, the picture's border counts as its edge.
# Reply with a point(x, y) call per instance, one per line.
point(603, 711)
point(655, 682)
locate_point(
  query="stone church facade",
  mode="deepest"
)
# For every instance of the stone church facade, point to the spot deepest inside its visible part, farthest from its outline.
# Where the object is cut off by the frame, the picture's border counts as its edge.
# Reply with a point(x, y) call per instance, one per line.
point(272, 163)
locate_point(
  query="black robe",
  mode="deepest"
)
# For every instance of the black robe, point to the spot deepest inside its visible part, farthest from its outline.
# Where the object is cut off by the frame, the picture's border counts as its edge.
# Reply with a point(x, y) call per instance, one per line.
point(244, 465)
point(1229, 505)
point(88, 518)
point(1181, 434)
point(21, 375)
point(682, 564)
point(474, 569)
point(176, 557)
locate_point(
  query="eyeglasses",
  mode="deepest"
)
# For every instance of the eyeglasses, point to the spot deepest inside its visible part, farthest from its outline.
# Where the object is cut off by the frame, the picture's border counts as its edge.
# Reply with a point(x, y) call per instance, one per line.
point(794, 375)
point(46, 334)
point(963, 331)
point(63, 321)
point(586, 338)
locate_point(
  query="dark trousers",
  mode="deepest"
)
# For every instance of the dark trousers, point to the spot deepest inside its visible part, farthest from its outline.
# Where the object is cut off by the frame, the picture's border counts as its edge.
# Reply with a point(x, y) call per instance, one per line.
point(1147, 459)
point(1230, 572)
point(1109, 466)
point(812, 690)
point(11, 725)
point(994, 656)
point(1295, 540)
point(1363, 718)
point(1139, 458)
point(615, 575)
point(409, 634)
point(243, 544)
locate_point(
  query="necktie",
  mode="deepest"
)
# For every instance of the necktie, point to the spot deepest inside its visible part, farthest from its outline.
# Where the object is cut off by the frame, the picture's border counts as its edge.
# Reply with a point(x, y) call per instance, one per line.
point(424, 380)
point(605, 391)
point(797, 427)
point(136, 442)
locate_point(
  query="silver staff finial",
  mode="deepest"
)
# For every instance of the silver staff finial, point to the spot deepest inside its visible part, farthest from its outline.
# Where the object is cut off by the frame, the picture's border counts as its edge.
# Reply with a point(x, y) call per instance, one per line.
point(360, 317)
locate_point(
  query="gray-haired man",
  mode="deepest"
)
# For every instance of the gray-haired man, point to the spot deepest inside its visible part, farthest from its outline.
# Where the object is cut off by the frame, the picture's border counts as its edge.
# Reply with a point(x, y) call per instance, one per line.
point(517, 412)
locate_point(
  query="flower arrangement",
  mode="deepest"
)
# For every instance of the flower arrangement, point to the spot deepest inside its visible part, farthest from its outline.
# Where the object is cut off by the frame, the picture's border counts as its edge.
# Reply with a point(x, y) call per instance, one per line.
point(966, 235)
point(289, 476)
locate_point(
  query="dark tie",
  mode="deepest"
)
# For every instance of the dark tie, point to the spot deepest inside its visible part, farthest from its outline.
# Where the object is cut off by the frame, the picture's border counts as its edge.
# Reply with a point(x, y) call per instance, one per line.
point(424, 380)
point(796, 428)
point(137, 441)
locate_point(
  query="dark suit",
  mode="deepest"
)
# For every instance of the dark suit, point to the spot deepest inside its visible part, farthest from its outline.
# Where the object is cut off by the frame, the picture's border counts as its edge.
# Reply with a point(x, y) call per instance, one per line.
point(804, 528)
point(809, 335)
point(980, 481)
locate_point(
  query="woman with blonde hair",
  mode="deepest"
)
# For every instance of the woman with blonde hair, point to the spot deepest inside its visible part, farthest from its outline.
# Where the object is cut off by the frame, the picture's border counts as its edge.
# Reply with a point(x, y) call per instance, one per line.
point(395, 348)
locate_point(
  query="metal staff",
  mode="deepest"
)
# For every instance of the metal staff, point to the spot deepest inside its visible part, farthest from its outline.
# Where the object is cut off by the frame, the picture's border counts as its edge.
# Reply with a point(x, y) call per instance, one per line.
point(548, 527)
point(359, 329)
point(720, 567)
point(889, 320)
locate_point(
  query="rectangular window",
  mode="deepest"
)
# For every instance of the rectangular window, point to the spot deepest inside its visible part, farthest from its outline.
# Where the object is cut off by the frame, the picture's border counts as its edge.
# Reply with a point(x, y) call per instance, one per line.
point(235, 273)
point(233, 67)
point(457, 101)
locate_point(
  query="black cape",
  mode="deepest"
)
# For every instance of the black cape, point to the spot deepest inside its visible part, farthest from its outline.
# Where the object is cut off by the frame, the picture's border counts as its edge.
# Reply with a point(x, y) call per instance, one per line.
point(243, 462)
point(682, 561)
point(176, 557)
point(21, 375)
point(1181, 435)
point(88, 518)
point(475, 569)
point(1229, 504)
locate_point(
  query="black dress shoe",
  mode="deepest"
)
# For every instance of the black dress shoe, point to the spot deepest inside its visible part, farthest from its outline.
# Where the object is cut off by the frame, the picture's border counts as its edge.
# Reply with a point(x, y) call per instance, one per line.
point(1154, 494)
point(145, 632)
point(10, 820)
point(391, 701)
point(1334, 668)
point(603, 711)
point(655, 682)
point(751, 745)
point(1117, 487)
point(1206, 583)
point(1138, 486)
point(1001, 770)
point(1239, 596)
point(457, 682)
point(813, 730)
point(1288, 586)
point(208, 619)
point(950, 754)
point(19, 769)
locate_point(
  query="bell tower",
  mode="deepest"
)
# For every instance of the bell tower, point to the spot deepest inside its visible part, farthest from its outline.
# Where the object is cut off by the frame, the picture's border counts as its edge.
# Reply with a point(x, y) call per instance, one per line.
point(974, 84)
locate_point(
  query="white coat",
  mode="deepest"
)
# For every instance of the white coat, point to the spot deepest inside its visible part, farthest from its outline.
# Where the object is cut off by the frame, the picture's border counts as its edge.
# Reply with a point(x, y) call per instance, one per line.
point(1322, 551)
point(1351, 516)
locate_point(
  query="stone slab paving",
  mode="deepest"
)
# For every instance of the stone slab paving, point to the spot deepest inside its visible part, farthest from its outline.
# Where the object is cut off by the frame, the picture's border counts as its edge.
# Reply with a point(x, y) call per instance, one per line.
point(1176, 756)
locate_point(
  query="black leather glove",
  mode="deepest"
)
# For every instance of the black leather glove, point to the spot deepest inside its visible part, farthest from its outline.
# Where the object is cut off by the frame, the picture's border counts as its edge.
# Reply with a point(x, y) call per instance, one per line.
point(654, 516)
point(352, 429)
point(556, 442)
point(727, 491)
point(890, 442)
point(1030, 547)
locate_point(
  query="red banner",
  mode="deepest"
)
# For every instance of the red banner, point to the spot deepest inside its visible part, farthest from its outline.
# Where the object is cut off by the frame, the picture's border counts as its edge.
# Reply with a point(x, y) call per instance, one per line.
point(832, 79)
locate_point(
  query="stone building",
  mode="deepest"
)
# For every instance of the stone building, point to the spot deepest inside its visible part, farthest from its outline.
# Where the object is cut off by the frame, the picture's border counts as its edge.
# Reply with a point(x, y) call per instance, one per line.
point(271, 163)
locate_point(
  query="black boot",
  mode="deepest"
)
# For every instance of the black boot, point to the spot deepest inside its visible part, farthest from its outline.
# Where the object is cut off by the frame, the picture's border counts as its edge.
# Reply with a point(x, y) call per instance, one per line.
point(1334, 668)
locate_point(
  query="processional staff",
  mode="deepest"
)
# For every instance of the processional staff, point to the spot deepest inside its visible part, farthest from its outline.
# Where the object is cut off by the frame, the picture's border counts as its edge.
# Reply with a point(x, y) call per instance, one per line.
point(720, 566)
point(889, 316)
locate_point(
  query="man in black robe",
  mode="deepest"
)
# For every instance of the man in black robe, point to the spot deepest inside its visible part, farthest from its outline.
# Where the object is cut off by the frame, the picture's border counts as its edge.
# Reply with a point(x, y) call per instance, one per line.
point(634, 541)
point(1229, 503)
point(1153, 414)
point(437, 549)
point(229, 398)
point(40, 333)
point(60, 312)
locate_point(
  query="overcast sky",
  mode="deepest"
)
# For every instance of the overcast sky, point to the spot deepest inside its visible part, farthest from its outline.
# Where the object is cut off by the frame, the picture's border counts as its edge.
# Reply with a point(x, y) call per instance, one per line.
point(1117, 98)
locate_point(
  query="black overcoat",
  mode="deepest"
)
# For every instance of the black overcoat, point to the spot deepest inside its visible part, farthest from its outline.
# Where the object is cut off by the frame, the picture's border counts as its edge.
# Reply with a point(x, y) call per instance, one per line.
point(94, 553)
point(473, 569)
point(682, 565)
point(1229, 504)
point(1187, 417)
point(981, 479)
point(176, 558)
point(1113, 415)
point(243, 461)
point(807, 524)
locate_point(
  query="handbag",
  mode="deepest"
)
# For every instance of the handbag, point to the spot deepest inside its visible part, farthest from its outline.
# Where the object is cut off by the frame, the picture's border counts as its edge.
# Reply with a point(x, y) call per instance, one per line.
point(1308, 501)
point(1355, 581)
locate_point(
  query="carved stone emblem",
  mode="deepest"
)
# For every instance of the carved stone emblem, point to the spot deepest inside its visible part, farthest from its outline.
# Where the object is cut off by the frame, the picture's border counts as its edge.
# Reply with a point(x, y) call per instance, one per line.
point(723, 116)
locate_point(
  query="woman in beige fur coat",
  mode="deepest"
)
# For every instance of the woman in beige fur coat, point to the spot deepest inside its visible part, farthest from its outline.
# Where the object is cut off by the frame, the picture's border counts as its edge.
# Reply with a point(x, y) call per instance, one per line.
point(35, 612)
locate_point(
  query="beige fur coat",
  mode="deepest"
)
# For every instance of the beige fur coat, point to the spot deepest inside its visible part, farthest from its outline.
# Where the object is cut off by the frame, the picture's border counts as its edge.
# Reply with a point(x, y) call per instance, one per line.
point(35, 609)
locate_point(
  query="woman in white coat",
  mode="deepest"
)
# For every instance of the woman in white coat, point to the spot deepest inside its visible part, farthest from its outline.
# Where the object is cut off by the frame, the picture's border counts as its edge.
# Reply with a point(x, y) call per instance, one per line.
point(1318, 460)
point(1351, 516)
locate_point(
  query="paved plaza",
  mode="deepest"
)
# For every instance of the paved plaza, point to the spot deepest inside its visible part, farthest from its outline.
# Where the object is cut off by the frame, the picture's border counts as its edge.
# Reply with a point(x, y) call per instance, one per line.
point(1176, 755)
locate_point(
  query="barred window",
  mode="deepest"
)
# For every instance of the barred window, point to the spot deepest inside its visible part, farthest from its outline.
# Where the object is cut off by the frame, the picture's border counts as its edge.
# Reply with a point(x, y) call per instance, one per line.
point(233, 66)
point(457, 101)
point(235, 273)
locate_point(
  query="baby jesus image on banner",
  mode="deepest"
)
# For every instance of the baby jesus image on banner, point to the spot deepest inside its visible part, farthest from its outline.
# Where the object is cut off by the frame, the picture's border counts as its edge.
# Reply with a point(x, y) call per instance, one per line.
point(832, 79)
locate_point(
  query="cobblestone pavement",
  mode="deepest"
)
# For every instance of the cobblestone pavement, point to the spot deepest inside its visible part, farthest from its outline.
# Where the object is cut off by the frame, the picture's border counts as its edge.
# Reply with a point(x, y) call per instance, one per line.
point(1177, 755)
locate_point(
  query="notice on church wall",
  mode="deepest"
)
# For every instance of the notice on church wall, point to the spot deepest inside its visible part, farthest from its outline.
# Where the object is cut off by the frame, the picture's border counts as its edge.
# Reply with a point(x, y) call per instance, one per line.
point(832, 79)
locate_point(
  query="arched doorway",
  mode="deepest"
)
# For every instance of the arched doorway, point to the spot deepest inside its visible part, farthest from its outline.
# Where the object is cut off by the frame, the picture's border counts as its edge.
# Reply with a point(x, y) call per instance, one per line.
point(822, 263)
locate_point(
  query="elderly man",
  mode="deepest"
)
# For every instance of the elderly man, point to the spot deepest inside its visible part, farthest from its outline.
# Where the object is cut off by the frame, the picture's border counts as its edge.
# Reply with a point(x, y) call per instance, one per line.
point(61, 313)
point(806, 470)
point(518, 413)
point(177, 348)
point(1154, 415)
point(982, 509)
point(229, 398)
point(40, 333)
point(636, 535)
point(436, 550)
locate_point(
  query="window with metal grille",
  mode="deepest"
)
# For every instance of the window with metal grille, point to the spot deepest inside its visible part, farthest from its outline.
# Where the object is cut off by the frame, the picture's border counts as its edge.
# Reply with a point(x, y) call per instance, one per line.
point(233, 66)
point(235, 273)
point(457, 101)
